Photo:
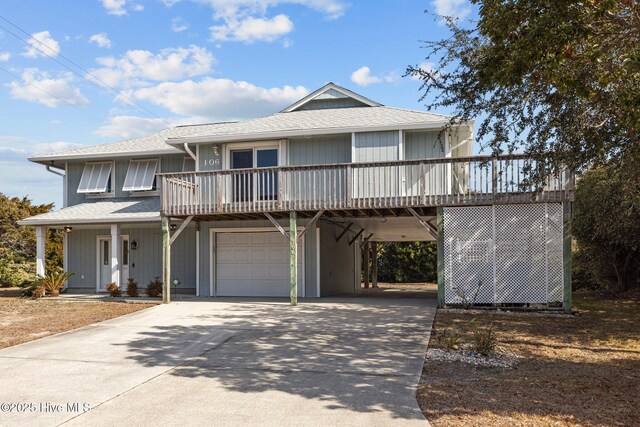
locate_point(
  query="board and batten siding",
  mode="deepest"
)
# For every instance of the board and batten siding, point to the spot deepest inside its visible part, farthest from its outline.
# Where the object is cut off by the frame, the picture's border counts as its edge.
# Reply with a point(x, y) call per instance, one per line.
point(423, 145)
point(310, 251)
point(320, 150)
point(376, 147)
point(171, 163)
point(145, 263)
point(337, 261)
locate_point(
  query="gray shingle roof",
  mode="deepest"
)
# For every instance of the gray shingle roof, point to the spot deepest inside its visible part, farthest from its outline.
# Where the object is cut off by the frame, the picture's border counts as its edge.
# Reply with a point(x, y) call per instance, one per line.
point(144, 145)
point(308, 121)
point(109, 211)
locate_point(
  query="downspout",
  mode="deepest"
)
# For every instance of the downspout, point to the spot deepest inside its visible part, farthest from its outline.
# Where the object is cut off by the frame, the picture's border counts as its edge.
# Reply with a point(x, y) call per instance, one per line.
point(189, 152)
point(48, 168)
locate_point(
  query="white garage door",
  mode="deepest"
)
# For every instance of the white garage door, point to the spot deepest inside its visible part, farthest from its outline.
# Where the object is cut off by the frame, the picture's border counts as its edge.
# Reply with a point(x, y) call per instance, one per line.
point(254, 264)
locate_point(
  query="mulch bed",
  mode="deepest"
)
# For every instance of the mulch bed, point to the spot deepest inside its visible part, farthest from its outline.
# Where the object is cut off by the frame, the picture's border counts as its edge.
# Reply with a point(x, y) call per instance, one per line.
point(571, 370)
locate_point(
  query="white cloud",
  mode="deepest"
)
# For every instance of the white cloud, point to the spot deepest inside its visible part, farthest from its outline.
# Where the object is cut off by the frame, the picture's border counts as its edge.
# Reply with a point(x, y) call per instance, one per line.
point(249, 20)
point(54, 147)
point(220, 99)
point(126, 127)
point(41, 44)
point(178, 25)
point(362, 77)
point(454, 8)
point(101, 40)
point(4, 56)
point(138, 67)
point(251, 29)
point(118, 7)
point(39, 86)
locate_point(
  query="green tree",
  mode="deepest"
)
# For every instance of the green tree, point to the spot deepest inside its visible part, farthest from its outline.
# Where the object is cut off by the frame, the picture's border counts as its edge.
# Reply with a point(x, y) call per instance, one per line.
point(18, 244)
point(408, 262)
point(559, 79)
point(606, 226)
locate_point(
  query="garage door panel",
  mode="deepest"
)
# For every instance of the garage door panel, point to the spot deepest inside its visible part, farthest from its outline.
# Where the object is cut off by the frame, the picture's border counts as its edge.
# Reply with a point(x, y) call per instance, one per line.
point(254, 264)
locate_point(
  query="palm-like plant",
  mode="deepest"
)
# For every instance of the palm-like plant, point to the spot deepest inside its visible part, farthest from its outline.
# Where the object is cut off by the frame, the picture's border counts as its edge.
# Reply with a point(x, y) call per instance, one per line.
point(53, 282)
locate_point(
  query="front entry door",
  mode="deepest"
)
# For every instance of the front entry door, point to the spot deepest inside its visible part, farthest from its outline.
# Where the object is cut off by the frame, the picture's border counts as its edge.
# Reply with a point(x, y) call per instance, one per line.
point(104, 262)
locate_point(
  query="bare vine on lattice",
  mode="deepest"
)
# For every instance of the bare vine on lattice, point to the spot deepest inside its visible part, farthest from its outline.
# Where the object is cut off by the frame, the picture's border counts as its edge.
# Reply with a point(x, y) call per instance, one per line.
point(467, 302)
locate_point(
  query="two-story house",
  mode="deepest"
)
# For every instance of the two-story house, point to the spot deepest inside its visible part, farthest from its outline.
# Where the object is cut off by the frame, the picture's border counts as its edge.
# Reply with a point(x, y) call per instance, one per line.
point(288, 204)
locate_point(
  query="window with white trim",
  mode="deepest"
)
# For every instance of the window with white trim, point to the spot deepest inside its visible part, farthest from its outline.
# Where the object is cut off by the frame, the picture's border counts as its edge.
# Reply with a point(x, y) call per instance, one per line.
point(96, 178)
point(141, 175)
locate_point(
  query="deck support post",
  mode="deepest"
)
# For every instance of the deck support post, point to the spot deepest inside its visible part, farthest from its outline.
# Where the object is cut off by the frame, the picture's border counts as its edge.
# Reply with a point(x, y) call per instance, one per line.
point(166, 261)
point(374, 264)
point(293, 259)
point(440, 250)
point(567, 300)
point(367, 252)
point(41, 242)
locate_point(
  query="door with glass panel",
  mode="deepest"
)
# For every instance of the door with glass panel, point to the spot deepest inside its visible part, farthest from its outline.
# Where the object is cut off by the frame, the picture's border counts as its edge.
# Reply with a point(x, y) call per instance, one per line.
point(250, 185)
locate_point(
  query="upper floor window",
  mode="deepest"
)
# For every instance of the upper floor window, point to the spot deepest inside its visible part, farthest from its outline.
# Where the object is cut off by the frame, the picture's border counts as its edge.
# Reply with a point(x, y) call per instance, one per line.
point(141, 175)
point(96, 178)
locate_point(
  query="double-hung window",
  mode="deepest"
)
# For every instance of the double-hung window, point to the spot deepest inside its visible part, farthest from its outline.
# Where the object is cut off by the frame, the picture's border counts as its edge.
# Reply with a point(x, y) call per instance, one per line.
point(141, 175)
point(96, 178)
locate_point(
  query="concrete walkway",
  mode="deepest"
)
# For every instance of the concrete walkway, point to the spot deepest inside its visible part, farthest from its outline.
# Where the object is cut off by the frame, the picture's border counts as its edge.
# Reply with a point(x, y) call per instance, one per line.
point(335, 361)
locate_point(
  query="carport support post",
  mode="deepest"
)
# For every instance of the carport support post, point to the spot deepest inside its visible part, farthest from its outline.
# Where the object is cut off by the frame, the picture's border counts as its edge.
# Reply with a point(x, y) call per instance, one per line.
point(367, 251)
point(374, 264)
point(440, 250)
point(293, 259)
point(166, 261)
point(41, 243)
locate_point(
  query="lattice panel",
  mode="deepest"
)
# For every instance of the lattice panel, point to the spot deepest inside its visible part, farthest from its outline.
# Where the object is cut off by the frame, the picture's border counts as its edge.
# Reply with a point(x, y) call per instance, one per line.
point(554, 252)
point(520, 254)
point(514, 250)
point(468, 254)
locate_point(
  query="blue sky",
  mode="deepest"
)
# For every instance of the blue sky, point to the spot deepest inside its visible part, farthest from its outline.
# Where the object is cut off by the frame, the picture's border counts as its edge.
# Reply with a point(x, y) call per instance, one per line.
point(169, 62)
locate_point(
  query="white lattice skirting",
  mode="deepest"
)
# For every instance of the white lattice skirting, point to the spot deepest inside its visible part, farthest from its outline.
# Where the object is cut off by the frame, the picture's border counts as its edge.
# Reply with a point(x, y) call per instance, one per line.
point(513, 251)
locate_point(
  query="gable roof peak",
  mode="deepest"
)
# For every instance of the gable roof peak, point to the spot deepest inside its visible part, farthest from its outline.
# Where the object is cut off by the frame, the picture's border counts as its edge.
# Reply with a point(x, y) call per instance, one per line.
point(330, 90)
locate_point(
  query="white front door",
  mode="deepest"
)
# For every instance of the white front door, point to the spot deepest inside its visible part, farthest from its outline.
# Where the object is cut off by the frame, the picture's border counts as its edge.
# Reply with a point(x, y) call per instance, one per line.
point(254, 264)
point(104, 262)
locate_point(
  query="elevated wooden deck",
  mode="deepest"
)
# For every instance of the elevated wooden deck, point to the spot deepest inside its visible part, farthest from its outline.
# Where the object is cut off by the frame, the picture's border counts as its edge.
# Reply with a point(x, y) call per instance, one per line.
point(358, 189)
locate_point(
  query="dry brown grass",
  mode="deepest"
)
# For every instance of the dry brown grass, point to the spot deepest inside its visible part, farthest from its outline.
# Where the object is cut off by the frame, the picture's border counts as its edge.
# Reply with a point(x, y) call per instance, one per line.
point(23, 320)
point(574, 370)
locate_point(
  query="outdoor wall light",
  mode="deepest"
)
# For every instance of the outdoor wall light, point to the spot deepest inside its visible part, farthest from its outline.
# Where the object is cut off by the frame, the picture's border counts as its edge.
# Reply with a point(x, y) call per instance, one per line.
point(68, 229)
point(134, 245)
point(216, 150)
point(173, 227)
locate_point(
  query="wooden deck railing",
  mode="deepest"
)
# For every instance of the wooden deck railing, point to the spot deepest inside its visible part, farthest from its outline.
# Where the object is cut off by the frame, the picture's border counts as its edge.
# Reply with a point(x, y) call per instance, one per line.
point(476, 180)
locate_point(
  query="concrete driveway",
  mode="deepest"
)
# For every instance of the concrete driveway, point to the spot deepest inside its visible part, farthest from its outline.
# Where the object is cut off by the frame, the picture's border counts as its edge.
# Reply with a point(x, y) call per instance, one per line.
point(335, 361)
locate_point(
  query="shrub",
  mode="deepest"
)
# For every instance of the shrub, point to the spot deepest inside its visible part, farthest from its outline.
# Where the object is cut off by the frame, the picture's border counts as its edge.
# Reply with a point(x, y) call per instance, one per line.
point(132, 287)
point(53, 282)
point(154, 288)
point(114, 290)
point(37, 292)
point(485, 340)
point(450, 340)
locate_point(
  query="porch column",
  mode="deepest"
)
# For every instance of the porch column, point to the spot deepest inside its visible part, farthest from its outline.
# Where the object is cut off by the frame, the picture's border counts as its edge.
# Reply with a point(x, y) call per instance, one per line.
point(116, 255)
point(374, 264)
point(440, 250)
point(293, 259)
point(41, 241)
point(166, 261)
